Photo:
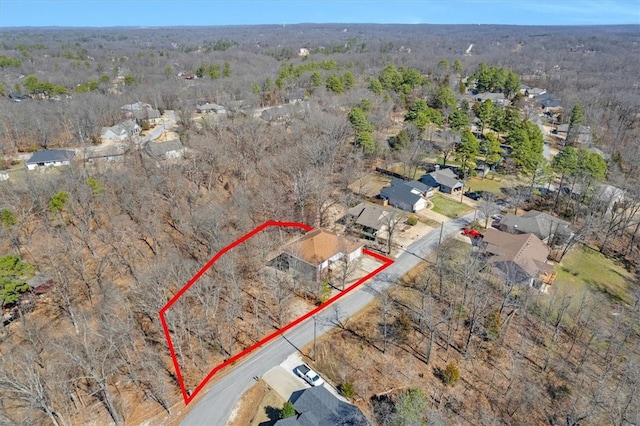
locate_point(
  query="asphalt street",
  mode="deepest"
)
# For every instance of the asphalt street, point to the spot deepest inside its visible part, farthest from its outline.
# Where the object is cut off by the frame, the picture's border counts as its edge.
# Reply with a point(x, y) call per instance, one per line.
point(219, 400)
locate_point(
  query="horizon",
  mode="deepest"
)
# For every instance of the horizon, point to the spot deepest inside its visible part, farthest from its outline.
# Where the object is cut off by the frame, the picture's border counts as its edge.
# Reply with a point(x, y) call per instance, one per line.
point(146, 27)
point(199, 13)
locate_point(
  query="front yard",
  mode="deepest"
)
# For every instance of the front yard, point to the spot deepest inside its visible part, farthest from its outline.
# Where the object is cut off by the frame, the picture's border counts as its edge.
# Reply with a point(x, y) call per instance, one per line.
point(493, 183)
point(448, 207)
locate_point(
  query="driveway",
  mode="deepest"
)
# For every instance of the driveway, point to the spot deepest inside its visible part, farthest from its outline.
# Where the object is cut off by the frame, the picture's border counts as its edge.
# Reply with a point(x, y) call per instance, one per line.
point(284, 381)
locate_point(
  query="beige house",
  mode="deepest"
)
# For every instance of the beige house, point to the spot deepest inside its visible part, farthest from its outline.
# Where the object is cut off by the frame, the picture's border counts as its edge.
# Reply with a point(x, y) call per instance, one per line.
point(312, 254)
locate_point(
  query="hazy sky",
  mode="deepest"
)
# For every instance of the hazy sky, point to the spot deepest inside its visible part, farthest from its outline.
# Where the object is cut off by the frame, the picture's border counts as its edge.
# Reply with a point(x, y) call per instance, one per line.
point(227, 12)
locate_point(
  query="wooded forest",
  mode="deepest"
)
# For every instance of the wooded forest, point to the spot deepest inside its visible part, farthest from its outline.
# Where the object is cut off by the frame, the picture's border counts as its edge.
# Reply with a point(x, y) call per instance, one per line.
point(119, 238)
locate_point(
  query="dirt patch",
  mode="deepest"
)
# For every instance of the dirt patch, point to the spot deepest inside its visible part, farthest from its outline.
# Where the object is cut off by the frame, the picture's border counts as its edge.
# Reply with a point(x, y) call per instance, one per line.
point(409, 234)
point(369, 185)
point(259, 406)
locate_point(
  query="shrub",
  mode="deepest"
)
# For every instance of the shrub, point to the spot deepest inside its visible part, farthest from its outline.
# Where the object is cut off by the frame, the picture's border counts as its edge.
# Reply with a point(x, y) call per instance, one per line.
point(451, 374)
point(402, 326)
point(325, 291)
point(412, 220)
point(411, 407)
point(347, 389)
point(493, 324)
point(560, 392)
point(287, 410)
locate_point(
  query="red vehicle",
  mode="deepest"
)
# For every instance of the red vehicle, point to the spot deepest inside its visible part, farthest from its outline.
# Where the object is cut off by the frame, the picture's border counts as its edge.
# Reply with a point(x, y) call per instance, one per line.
point(471, 233)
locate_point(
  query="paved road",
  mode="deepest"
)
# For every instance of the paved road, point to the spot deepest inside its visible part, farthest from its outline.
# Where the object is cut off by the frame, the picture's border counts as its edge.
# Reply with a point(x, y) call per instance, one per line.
point(218, 402)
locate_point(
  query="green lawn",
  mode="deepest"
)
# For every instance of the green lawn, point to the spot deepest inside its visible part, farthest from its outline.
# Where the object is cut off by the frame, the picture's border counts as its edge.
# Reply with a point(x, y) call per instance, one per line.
point(447, 207)
point(586, 268)
point(492, 183)
point(487, 184)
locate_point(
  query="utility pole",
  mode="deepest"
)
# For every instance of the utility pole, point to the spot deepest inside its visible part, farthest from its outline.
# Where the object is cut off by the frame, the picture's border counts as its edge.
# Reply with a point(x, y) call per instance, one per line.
point(314, 338)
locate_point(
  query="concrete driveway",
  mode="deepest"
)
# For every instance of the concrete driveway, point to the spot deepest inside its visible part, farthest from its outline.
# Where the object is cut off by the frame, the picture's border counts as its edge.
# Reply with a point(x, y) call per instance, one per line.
point(283, 379)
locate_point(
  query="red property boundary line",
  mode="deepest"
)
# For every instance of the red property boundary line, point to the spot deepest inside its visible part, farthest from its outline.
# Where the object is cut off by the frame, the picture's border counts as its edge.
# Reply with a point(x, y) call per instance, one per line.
point(189, 397)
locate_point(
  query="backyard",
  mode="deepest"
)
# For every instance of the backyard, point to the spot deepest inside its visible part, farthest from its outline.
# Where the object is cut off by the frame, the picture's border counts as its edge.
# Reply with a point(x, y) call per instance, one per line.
point(585, 268)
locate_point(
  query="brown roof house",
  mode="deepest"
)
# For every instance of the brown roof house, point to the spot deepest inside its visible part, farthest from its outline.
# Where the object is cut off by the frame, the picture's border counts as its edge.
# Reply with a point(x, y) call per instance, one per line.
point(521, 258)
point(312, 254)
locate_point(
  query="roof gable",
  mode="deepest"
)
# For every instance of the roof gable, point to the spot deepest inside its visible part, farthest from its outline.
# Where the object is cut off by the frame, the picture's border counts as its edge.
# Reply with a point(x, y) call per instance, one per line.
point(369, 215)
point(401, 192)
point(137, 106)
point(161, 149)
point(318, 246)
point(536, 222)
point(525, 250)
point(445, 177)
point(420, 186)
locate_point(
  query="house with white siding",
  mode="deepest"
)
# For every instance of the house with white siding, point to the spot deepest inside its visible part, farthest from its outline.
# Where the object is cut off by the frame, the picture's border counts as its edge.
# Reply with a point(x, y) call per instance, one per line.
point(313, 254)
point(50, 158)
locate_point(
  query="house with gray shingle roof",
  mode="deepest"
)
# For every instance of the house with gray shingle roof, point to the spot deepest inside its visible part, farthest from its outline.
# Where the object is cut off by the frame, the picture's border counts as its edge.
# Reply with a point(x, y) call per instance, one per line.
point(497, 99)
point(579, 135)
point(443, 179)
point(547, 228)
point(551, 103)
point(120, 131)
point(368, 220)
point(410, 196)
point(163, 150)
point(151, 116)
point(209, 108)
point(532, 92)
point(317, 406)
point(136, 106)
point(50, 157)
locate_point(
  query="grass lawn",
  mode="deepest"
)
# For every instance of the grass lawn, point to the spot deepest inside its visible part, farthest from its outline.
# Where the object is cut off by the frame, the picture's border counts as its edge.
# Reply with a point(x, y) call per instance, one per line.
point(408, 171)
point(447, 207)
point(492, 183)
point(488, 185)
point(586, 268)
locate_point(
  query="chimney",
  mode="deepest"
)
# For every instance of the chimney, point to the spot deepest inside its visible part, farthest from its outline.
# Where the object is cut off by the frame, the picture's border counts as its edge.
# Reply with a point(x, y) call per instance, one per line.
point(437, 167)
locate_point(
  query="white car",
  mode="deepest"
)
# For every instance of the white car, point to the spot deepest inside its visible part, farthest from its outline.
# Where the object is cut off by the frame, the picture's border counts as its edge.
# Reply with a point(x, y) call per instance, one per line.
point(309, 375)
